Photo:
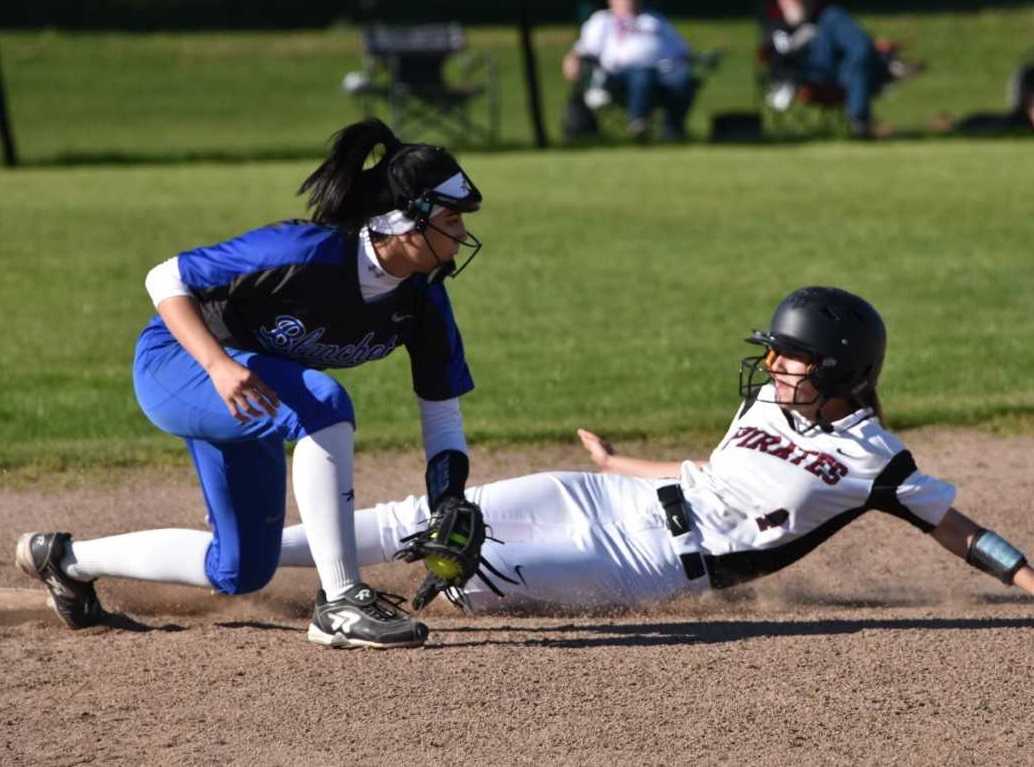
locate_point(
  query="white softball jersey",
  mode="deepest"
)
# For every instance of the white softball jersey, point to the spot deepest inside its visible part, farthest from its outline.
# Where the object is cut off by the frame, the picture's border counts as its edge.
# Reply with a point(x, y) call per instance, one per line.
point(775, 488)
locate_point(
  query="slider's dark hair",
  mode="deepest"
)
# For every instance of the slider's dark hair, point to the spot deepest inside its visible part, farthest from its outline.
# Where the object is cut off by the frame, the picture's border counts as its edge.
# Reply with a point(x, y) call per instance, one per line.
point(872, 399)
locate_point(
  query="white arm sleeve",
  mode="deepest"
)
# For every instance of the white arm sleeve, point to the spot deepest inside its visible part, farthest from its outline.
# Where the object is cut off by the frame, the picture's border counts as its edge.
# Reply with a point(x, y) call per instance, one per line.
point(164, 281)
point(442, 425)
point(927, 497)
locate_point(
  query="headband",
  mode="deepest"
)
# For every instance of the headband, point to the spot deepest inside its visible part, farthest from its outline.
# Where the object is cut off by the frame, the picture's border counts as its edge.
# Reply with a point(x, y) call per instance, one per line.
point(397, 222)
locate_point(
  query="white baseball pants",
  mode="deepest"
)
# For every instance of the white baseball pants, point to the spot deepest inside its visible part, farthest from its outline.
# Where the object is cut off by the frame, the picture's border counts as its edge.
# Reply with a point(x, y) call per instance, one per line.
point(569, 540)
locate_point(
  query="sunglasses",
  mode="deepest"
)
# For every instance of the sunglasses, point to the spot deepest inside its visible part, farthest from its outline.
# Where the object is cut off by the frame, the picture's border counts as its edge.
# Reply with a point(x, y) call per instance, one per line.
point(772, 354)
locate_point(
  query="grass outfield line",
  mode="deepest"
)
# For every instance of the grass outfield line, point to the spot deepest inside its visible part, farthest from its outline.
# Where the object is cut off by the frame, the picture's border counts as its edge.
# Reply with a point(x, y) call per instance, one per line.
point(613, 291)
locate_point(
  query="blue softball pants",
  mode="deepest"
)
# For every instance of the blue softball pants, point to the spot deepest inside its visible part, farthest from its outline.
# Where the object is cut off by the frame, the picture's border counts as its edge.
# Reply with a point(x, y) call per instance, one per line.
point(241, 466)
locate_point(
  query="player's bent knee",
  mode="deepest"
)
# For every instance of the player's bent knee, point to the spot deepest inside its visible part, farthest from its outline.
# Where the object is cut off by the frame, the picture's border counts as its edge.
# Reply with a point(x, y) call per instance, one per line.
point(324, 403)
point(242, 582)
point(247, 576)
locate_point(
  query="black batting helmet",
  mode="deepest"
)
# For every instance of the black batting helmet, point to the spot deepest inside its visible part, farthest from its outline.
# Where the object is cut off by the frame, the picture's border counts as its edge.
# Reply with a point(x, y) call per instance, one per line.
point(840, 332)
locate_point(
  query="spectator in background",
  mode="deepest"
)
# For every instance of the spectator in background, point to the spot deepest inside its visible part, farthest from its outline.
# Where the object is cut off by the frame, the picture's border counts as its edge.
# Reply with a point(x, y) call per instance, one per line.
point(814, 42)
point(641, 59)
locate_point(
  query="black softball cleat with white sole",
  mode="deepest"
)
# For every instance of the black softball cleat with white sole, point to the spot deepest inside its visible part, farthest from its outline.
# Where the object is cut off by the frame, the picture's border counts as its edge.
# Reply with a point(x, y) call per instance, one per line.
point(39, 555)
point(364, 617)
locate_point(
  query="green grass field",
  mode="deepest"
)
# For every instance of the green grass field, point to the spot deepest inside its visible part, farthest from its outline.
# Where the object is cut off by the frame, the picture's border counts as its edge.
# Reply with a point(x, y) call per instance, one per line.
point(615, 286)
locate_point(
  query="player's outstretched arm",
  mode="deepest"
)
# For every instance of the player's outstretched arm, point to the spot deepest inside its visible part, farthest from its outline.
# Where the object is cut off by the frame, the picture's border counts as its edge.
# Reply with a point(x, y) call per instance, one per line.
point(603, 455)
point(984, 549)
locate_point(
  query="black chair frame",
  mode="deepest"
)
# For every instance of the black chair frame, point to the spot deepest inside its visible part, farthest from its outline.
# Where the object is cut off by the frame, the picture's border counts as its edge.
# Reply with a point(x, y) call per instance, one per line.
point(429, 80)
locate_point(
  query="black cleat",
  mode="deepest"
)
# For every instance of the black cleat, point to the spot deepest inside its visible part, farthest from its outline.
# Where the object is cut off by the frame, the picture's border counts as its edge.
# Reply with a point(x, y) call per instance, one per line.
point(364, 617)
point(39, 555)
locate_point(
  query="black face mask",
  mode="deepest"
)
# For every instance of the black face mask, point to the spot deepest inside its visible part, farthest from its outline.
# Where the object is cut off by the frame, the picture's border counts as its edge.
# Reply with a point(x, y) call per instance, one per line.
point(754, 374)
point(449, 268)
point(420, 209)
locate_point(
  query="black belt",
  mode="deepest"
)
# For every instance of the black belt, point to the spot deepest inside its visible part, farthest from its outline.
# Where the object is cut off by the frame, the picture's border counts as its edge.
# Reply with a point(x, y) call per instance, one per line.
point(678, 516)
point(676, 509)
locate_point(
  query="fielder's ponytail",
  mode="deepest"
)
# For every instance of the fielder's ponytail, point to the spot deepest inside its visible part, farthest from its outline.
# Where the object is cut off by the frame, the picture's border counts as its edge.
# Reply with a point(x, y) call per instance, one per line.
point(340, 192)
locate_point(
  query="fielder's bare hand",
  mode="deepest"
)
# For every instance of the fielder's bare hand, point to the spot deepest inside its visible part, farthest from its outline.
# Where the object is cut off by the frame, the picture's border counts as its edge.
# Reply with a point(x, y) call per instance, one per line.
point(242, 390)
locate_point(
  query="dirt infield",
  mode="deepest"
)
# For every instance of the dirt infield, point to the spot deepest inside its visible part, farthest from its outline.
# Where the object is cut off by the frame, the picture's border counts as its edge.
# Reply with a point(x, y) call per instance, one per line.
point(878, 648)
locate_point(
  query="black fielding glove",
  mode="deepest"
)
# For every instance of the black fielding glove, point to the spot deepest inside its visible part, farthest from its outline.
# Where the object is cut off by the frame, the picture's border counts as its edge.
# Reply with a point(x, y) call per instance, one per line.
point(451, 544)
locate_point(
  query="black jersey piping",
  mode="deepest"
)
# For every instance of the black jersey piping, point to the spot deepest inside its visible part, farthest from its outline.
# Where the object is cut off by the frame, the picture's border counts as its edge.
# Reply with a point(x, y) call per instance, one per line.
point(742, 566)
point(748, 403)
point(884, 493)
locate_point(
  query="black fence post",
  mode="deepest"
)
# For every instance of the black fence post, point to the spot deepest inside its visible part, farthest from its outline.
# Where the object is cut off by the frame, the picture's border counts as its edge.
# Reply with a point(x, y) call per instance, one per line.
point(6, 135)
point(531, 77)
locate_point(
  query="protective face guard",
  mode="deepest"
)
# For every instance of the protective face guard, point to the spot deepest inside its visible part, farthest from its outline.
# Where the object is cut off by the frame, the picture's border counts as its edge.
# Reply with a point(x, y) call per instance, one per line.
point(758, 367)
point(421, 208)
point(449, 268)
point(468, 203)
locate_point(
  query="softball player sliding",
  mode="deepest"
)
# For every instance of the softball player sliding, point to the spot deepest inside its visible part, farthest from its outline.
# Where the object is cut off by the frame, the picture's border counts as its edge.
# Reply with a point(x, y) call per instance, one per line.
point(232, 364)
point(805, 455)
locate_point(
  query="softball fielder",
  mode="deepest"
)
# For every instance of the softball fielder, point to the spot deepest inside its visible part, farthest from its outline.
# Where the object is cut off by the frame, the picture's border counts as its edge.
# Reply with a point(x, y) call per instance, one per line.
point(805, 455)
point(233, 364)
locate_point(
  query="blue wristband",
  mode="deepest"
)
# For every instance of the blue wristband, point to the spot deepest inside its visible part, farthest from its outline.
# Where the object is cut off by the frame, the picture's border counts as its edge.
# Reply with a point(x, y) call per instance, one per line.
point(993, 554)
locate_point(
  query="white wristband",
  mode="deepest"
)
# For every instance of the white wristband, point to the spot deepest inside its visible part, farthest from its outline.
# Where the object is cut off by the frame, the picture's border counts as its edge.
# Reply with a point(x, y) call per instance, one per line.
point(442, 426)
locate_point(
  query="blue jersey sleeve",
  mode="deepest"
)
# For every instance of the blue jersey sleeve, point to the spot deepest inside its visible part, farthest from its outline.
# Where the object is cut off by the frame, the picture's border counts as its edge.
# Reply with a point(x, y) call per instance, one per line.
point(436, 350)
point(277, 245)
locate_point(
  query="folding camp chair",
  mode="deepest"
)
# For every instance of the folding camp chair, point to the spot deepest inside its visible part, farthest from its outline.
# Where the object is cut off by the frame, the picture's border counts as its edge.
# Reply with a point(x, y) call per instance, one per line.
point(429, 80)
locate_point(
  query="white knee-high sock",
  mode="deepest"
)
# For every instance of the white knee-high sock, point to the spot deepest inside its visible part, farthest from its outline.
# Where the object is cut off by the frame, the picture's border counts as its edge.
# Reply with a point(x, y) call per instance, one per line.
point(322, 480)
point(378, 533)
point(295, 552)
point(169, 556)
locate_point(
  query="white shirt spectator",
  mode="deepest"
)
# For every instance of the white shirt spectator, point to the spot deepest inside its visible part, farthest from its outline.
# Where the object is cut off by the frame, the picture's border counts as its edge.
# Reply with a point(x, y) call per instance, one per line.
point(621, 42)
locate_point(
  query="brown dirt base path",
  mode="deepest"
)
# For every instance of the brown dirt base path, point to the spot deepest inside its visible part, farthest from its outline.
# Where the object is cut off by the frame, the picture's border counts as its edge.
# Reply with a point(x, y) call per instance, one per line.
point(878, 648)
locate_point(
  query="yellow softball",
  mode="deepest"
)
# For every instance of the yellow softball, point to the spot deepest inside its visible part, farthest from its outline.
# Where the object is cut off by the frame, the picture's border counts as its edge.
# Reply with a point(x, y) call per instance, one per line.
point(446, 569)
